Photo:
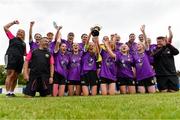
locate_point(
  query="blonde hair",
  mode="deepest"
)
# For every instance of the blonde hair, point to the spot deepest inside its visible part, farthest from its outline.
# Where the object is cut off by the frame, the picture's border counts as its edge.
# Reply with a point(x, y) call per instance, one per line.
point(144, 47)
point(122, 47)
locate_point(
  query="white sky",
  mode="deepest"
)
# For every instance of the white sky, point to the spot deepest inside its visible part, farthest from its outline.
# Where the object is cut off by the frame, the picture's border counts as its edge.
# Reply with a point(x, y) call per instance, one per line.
point(115, 16)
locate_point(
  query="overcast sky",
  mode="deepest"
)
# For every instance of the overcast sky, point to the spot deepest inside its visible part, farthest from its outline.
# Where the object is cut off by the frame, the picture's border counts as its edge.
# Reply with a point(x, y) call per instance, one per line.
point(115, 16)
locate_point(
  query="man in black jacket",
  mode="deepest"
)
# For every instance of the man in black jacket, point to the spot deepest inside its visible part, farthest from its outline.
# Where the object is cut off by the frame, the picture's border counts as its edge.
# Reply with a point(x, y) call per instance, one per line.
point(167, 79)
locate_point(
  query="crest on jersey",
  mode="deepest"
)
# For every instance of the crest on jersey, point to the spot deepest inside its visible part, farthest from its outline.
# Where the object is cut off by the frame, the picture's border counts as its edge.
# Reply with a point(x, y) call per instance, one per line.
point(47, 55)
point(109, 61)
point(90, 61)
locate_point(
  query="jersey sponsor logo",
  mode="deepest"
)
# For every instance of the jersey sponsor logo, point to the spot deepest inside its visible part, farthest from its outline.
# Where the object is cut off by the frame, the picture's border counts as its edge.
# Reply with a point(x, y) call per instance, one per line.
point(47, 55)
point(90, 61)
point(140, 63)
point(168, 52)
point(64, 63)
point(75, 62)
point(123, 63)
point(109, 61)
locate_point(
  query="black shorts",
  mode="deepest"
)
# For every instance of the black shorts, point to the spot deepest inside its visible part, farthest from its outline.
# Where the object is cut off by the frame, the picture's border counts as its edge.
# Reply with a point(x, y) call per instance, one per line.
point(106, 81)
point(14, 62)
point(59, 79)
point(146, 82)
point(168, 82)
point(73, 82)
point(126, 81)
point(37, 84)
point(89, 78)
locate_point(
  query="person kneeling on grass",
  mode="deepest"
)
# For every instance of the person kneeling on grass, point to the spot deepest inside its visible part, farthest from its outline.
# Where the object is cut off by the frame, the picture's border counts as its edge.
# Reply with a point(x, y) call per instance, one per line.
point(41, 70)
point(144, 72)
point(108, 68)
point(89, 78)
point(167, 80)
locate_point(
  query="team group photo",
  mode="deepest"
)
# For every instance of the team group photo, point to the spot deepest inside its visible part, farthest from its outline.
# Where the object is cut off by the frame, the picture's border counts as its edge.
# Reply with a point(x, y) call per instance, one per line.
point(89, 59)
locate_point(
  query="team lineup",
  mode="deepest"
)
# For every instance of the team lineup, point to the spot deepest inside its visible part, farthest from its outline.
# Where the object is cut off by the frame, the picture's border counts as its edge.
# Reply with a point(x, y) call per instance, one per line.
point(55, 66)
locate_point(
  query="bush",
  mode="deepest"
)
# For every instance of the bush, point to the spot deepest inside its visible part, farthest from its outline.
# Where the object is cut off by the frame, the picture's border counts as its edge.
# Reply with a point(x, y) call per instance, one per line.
point(3, 76)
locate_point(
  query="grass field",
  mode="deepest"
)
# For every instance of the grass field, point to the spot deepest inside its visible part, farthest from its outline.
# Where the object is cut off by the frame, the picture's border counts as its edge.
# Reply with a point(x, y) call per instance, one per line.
point(151, 106)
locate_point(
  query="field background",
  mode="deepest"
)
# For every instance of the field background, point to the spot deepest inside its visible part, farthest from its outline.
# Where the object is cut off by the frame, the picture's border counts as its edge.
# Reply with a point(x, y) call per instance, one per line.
point(138, 106)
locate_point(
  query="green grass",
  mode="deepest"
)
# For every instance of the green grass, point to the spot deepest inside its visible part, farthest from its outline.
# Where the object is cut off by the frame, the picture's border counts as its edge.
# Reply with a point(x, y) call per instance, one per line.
point(151, 106)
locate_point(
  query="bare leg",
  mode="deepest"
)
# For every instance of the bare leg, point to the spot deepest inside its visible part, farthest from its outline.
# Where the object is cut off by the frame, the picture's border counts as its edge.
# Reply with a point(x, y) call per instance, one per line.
point(112, 88)
point(85, 90)
point(151, 89)
point(55, 89)
point(61, 90)
point(14, 83)
point(94, 90)
point(70, 90)
point(141, 89)
point(9, 79)
point(123, 89)
point(103, 89)
point(131, 89)
point(78, 90)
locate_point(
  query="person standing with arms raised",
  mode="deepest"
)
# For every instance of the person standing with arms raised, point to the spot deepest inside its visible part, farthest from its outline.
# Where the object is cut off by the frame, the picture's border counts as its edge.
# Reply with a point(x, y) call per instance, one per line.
point(14, 57)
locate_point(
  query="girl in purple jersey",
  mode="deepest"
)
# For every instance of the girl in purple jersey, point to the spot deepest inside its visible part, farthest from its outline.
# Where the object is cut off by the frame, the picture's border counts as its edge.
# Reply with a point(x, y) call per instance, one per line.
point(125, 71)
point(152, 48)
point(125, 74)
point(108, 68)
point(132, 44)
point(33, 45)
point(144, 72)
point(84, 38)
point(74, 71)
point(61, 67)
point(89, 77)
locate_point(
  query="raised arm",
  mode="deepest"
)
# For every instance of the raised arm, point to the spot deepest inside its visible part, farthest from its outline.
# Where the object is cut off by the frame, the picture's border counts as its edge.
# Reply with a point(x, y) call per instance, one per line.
point(58, 42)
point(89, 37)
point(30, 31)
point(6, 27)
point(58, 33)
point(99, 57)
point(170, 35)
point(145, 37)
point(106, 43)
point(96, 42)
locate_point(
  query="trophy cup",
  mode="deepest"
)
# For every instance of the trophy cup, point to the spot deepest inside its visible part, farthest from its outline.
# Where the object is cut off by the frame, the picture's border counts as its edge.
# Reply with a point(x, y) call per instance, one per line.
point(95, 30)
